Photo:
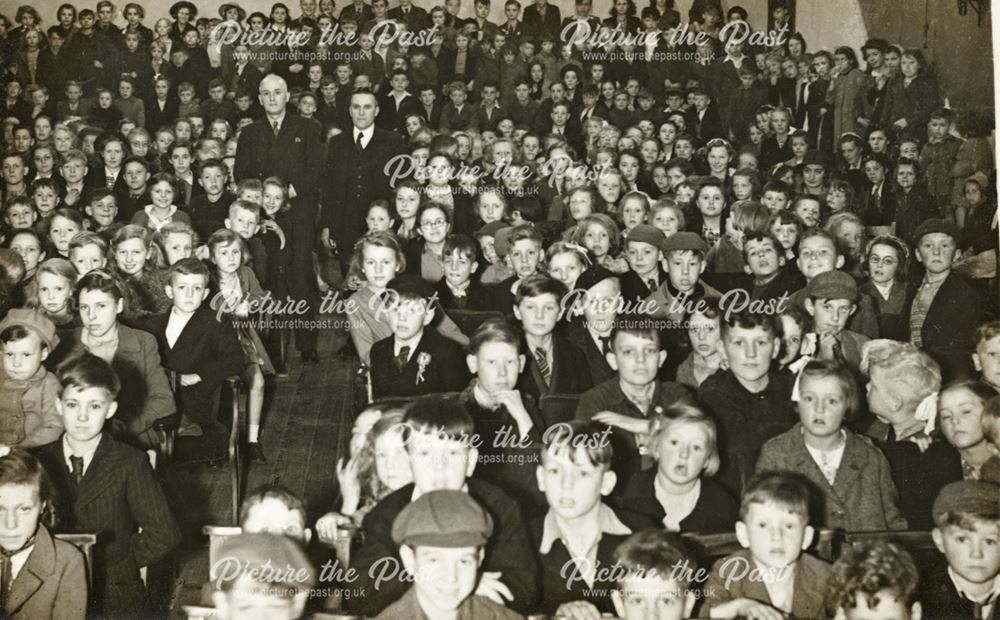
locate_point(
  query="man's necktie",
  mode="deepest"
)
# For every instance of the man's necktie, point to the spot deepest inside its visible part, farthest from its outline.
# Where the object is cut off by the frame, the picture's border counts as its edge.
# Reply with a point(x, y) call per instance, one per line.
point(400, 360)
point(358, 142)
point(77, 463)
point(109, 181)
point(276, 128)
point(605, 344)
point(543, 365)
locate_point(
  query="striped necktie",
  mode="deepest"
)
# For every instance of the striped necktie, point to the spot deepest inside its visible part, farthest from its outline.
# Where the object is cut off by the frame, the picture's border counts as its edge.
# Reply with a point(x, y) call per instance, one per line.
point(543, 365)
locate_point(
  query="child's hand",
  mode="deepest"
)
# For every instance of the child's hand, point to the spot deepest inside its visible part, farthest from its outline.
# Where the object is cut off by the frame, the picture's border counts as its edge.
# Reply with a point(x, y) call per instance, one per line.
point(578, 610)
point(624, 422)
point(827, 344)
point(746, 608)
point(190, 379)
point(492, 588)
point(350, 484)
point(328, 526)
point(511, 399)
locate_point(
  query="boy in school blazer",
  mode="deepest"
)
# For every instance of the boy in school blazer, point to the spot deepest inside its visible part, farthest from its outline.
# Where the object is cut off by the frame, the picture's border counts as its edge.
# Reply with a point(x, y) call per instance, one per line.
point(414, 360)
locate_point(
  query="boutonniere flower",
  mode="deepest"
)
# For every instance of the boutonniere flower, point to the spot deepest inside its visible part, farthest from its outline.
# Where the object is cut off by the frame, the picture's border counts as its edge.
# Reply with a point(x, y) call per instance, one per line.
point(422, 362)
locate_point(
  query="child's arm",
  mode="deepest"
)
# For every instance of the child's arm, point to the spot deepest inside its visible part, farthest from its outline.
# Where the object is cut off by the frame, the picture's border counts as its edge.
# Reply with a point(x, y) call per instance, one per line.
point(159, 401)
point(159, 533)
point(52, 425)
point(226, 357)
point(890, 495)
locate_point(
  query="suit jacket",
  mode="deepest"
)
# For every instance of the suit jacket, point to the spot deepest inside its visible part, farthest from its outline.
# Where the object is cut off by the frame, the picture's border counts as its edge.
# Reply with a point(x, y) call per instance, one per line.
point(634, 290)
point(392, 118)
point(353, 179)
point(444, 368)
point(709, 126)
point(600, 370)
point(477, 297)
point(145, 394)
point(205, 346)
point(715, 512)
point(295, 155)
point(948, 334)
point(454, 120)
point(536, 25)
point(156, 118)
point(811, 577)
point(940, 599)
point(120, 498)
point(488, 120)
point(52, 583)
point(862, 497)
point(416, 20)
point(570, 372)
point(433, 118)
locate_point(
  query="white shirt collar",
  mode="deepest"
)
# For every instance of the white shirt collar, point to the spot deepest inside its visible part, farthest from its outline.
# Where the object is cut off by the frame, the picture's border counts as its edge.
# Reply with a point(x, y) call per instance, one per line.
point(413, 343)
point(366, 134)
point(88, 456)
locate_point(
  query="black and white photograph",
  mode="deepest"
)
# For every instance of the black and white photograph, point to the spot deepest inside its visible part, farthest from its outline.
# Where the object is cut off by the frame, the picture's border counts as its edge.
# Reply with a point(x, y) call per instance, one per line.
point(499, 309)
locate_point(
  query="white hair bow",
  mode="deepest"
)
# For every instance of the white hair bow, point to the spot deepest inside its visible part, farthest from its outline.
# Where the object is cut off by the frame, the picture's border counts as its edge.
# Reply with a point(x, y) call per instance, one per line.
point(927, 412)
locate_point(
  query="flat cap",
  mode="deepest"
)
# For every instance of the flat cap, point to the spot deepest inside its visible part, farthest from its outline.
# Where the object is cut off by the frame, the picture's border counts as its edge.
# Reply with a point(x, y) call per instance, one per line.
point(683, 241)
point(972, 496)
point(833, 285)
point(443, 519)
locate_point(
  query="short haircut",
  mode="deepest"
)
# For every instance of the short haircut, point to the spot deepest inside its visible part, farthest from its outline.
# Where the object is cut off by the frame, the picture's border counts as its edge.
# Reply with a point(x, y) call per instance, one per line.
point(20, 467)
point(758, 235)
point(494, 330)
point(272, 491)
point(987, 331)
point(189, 267)
point(779, 187)
point(526, 232)
point(100, 280)
point(817, 368)
point(566, 437)
point(246, 205)
point(681, 413)
point(211, 163)
point(85, 371)
point(85, 238)
point(788, 491)
point(870, 569)
point(653, 552)
point(749, 320)
point(445, 417)
point(638, 326)
point(749, 216)
point(463, 244)
point(815, 231)
point(539, 284)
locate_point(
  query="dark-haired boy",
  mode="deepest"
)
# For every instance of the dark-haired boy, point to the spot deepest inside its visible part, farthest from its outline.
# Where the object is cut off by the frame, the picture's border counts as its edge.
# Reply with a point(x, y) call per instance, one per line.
point(577, 536)
point(106, 486)
point(200, 349)
point(831, 300)
point(443, 454)
point(765, 261)
point(597, 299)
point(967, 531)
point(209, 210)
point(871, 581)
point(657, 573)
point(774, 531)
point(642, 250)
point(135, 196)
point(554, 364)
point(751, 402)
point(459, 290)
point(627, 402)
point(524, 253)
point(414, 360)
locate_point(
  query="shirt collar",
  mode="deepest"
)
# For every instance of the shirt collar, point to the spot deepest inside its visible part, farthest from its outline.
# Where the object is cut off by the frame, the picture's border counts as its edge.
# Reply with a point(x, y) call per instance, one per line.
point(459, 291)
point(961, 585)
point(607, 523)
point(88, 456)
point(412, 343)
point(366, 133)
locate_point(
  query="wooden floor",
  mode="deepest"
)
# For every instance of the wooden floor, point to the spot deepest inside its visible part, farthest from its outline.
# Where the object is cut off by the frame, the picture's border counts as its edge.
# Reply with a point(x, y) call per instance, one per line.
point(306, 426)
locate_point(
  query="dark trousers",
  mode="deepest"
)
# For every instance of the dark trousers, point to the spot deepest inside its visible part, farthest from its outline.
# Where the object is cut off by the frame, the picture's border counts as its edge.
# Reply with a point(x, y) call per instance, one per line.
point(302, 279)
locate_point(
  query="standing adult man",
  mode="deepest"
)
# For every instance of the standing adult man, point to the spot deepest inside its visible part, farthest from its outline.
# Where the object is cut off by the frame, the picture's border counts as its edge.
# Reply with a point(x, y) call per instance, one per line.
point(287, 146)
point(355, 174)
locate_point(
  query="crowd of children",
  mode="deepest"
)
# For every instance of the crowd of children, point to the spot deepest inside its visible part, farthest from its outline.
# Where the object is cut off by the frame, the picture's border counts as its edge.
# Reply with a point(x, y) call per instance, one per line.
point(763, 278)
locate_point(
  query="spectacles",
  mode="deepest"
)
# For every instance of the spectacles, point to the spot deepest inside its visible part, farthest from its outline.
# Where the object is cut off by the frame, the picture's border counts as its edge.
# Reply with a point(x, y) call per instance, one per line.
point(434, 223)
point(888, 261)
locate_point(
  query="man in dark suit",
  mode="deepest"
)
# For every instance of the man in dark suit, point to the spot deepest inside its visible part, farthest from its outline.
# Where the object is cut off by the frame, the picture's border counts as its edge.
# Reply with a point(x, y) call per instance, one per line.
point(355, 174)
point(542, 18)
point(585, 24)
point(288, 146)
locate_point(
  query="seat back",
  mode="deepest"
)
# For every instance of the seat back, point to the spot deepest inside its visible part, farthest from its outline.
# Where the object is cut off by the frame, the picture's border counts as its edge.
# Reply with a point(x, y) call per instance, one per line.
point(218, 534)
point(557, 408)
point(84, 541)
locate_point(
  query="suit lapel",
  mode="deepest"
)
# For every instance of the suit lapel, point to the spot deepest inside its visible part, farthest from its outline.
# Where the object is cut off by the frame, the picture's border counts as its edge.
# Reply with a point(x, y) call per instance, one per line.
point(100, 475)
point(39, 566)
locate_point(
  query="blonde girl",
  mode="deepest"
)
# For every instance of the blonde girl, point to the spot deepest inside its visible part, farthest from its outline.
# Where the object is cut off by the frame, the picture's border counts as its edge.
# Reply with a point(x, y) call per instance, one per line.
point(135, 259)
point(175, 241)
point(56, 278)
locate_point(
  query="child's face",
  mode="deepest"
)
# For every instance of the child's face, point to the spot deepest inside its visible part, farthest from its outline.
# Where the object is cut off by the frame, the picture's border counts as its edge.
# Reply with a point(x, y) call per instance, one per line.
point(538, 315)
point(883, 261)
point(703, 332)
point(497, 365)
point(228, 257)
point(642, 257)
point(749, 351)
point(20, 216)
point(45, 200)
point(742, 187)
point(84, 411)
point(440, 463)
point(392, 463)
point(775, 536)
point(580, 205)
point(136, 176)
point(936, 252)
point(830, 315)
point(633, 214)
point(61, 231)
point(21, 507)
point(763, 259)
point(491, 208)
point(573, 487)
point(779, 123)
point(684, 268)
point(99, 312)
point(597, 240)
point(666, 220)
point(243, 222)
point(130, 256)
point(251, 195)
point(973, 554)
point(458, 268)
point(104, 100)
point(636, 359)
point(973, 193)
point(379, 265)
point(378, 219)
point(22, 359)
point(29, 250)
point(817, 255)
point(408, 317)
point(184, 95)
point(54, 292)
point(648, 595)
point(103, 211)
point(434, 225)
point(187, 291)
point(181, 161)
point(888, 604)
point(961, 414)
point(524, 256)
point(87, 258)
point(177, 246)
point(566, 268)
point(213, 179)
point(711, 201)
point(487, 244)
point(786, 234)
point(273, 199)
point(681, 453)
point(937, 129)
point(851, 234)
point(987, 360)
point(822, 406)
point(73, 171)
point(791, 338)
point(162, 195)
point(447, 575)
point(775, 201)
